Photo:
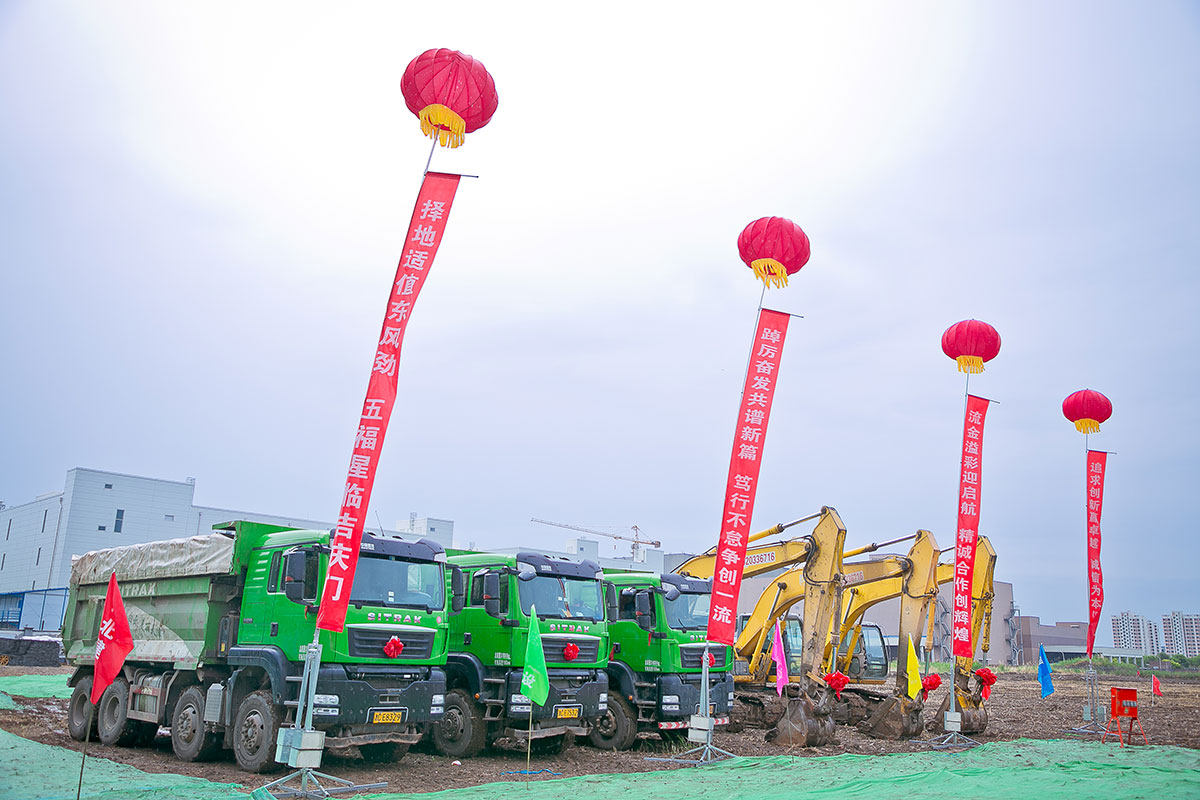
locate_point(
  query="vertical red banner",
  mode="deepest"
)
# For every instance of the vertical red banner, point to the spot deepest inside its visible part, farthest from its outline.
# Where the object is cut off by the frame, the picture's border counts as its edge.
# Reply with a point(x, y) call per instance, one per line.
point(970, 483)
point(420, 246)
point(1097, 463)
point(742, 484)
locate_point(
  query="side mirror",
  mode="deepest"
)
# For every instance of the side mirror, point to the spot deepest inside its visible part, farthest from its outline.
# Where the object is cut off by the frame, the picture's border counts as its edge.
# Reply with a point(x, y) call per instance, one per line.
point(641, 609)
point(458, 590)
point(672, 593)
point(293, 575)
point(491, 594)
point(526, 573)
point(610, 601)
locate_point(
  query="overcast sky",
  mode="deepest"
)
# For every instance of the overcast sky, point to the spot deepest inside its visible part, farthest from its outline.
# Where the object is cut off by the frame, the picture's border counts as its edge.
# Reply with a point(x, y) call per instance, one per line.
point(203, 207)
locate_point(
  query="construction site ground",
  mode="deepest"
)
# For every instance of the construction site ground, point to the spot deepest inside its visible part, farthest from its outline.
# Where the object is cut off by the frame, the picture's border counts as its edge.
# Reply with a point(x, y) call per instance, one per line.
point(1016, 711)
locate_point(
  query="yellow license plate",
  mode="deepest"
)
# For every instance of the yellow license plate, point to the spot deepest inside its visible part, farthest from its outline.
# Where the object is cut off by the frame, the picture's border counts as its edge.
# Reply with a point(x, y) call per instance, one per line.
point(567, 713)
point(395, 717)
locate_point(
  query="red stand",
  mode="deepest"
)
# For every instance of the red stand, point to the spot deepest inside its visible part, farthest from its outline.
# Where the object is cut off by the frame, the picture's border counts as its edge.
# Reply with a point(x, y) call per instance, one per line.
point(1124, 704)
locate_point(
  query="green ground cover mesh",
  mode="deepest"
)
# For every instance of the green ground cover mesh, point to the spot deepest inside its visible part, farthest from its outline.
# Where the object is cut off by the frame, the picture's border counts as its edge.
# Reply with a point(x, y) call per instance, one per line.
point(1046, 770)
point(33, 771)
point(36, 685)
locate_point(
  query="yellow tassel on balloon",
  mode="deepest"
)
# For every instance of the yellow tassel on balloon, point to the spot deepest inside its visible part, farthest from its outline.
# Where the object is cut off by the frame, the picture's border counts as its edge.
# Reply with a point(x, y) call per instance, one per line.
point(769, 271)
point(439, 121)
point(1087, 425)
point(972, 365)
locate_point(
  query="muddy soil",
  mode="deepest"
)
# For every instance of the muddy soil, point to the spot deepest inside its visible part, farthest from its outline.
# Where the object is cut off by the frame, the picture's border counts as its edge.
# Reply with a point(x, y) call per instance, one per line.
point(1016, 710)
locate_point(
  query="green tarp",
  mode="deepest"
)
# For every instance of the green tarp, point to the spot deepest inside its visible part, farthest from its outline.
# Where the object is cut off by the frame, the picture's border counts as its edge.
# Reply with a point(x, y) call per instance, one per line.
point(36, 685)
point(1048, 770)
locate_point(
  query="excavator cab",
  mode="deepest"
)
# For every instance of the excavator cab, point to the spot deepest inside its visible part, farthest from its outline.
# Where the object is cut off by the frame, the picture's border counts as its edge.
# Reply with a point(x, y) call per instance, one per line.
point(868, 656)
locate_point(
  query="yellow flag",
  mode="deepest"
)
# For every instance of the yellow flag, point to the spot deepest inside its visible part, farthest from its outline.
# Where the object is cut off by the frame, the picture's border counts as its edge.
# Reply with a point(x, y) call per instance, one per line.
point(913, 670)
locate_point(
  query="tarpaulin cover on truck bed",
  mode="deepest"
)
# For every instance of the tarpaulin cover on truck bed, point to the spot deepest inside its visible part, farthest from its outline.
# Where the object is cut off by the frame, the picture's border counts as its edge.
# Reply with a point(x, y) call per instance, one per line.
point(209, 554)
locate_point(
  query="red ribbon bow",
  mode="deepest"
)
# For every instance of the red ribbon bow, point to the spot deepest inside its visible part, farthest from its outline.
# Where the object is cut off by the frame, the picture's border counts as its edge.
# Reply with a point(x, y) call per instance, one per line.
point(986, 679)
point(836, 681)
point(929, 683)
point(393, 648)
point(570, 651)
point(712, 660)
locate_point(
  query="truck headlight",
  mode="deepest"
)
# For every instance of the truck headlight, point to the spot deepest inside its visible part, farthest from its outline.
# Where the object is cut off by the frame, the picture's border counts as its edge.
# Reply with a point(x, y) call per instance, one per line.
point(521, 709)
point(325, 700)
point(520, 699)
point(437, 700)
point(603, 697)
point(670, 698)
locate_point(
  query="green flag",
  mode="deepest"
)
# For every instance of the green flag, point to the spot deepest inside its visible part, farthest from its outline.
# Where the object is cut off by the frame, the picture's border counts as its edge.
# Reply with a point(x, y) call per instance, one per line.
point(535, 683)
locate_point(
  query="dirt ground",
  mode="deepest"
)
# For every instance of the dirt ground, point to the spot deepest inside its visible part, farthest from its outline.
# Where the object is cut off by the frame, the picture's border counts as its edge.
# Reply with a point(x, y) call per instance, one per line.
point(1016, 710)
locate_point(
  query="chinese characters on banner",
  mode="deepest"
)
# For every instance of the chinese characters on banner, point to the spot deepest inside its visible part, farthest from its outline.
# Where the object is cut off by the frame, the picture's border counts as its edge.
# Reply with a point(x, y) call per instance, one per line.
point(113, 640)
point(740, 488)
point(969, 485)
point(1097, 463)
point(420, 246)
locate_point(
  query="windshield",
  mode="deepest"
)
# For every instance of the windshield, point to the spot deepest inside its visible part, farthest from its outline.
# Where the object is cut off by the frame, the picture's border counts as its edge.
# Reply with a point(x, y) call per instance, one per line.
point(562, 598)
point(398, 583)
point(688, 612)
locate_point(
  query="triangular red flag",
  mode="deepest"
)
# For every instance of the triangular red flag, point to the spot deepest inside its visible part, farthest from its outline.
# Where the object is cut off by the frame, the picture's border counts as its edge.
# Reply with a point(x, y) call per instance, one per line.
point(113, 640)
point(1156, 686)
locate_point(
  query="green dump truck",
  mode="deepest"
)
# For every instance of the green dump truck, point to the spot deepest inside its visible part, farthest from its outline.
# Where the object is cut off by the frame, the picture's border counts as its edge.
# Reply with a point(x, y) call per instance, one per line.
point(655, 670)
point(487, 651)
point(221, 625)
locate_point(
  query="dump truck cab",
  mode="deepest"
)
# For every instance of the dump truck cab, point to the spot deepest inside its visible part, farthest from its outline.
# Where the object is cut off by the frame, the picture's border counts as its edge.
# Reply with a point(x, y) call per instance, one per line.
point(488, 640)
point(655, 669)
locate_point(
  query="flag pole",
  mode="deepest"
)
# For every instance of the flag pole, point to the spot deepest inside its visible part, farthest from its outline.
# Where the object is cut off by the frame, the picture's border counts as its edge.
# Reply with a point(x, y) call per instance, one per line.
point(87, 734)
point(529, 745)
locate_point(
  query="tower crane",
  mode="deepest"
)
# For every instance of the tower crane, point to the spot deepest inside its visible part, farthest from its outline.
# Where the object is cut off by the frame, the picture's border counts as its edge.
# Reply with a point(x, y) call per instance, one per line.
point(638, 541)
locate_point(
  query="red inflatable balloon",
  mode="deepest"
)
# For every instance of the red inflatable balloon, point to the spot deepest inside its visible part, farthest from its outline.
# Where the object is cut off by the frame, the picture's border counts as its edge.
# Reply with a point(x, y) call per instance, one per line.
point(971, 343)
point(774, 248)
point(451, 93)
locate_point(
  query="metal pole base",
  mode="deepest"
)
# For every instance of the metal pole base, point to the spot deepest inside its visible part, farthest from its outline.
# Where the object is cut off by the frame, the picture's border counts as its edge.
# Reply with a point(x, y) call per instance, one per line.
point(705, 754)
point(953, 741)
point(1090, 727)
point(310, 787)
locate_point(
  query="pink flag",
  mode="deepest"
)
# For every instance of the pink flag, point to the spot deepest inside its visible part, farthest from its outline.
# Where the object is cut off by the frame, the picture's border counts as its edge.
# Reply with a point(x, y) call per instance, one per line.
point(780, 659)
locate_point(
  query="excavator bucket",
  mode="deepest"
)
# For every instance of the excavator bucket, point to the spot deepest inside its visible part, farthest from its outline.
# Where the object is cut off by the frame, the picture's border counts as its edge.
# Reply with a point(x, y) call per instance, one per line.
point(974, 714)
point(897, 717)
point(807, 721)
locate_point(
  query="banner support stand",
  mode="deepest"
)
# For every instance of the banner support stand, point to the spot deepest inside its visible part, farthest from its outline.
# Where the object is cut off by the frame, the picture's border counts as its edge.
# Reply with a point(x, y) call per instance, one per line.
point(706, 753)
point(1093, 711)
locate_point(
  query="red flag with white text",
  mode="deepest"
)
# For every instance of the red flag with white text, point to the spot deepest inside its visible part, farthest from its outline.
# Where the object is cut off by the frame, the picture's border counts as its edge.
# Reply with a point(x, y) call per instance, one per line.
point(970, 482)
point(113, 640)
point(1097, 463)
point(421, 244)
point(750, 434)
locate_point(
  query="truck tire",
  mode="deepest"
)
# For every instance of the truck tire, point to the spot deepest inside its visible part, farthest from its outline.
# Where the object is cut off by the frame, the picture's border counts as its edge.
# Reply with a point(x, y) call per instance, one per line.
point(112, 720)
point(79, 709)
point(383, 752)
point(462, 733)
point(255, 728)
point(189, 739)
point(615, 729)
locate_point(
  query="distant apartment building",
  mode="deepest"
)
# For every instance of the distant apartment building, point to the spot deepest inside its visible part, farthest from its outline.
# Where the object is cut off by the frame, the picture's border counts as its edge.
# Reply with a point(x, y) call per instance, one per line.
point(1135, 632)
point(1181, 634)
point(1064, 640)
point(98, 509)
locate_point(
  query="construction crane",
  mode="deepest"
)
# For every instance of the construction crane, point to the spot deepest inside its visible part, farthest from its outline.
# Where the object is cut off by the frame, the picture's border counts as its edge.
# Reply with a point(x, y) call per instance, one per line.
point(638, 541)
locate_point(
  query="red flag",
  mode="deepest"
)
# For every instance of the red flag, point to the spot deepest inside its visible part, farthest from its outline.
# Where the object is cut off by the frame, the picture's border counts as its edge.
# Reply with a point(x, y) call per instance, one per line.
point(749, 436)
point(425, 231)
point(1097, 463)
point(970, 487)
point(113, 640)
point(1156, 687)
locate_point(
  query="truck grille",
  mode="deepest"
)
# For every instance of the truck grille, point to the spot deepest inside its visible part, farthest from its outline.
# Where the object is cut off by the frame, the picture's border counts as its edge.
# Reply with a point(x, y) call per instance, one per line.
point(367, 643)
point(552, 649)
point(690, 657)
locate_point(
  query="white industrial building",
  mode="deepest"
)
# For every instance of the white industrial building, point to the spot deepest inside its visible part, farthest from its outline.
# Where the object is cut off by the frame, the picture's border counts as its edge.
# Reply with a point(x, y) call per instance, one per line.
point(98, 509)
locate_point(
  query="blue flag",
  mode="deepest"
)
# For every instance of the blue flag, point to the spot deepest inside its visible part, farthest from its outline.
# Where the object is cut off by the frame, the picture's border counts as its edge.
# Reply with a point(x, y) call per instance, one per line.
point(1044, 672)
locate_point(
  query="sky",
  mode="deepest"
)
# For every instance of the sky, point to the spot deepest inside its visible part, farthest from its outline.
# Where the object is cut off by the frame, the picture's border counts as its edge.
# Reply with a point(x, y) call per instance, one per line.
point(203, 206)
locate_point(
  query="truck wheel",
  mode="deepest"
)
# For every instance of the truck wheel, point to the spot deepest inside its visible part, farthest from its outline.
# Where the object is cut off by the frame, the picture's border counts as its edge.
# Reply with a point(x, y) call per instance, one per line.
point(79, 709)
point(615, 729)
point(254, 731)
point(462, 732)
point(552, 745)
point(383, 752)
point(112, 719)
point(189, 740)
